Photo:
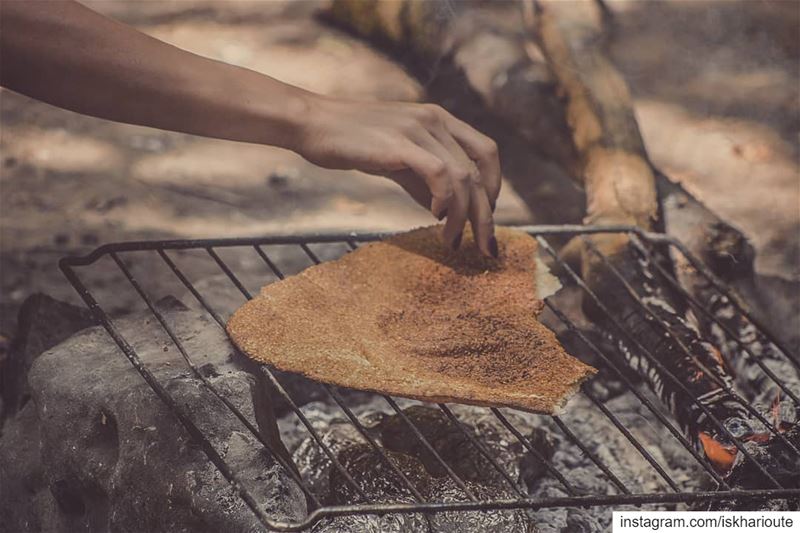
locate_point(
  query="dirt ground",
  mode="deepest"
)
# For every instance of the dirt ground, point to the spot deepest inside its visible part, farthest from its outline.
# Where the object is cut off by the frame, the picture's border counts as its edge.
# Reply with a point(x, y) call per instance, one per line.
point(716, 87)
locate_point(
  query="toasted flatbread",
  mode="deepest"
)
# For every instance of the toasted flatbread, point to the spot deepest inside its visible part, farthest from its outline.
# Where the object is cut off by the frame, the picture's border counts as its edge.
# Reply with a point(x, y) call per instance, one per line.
point(407, 317)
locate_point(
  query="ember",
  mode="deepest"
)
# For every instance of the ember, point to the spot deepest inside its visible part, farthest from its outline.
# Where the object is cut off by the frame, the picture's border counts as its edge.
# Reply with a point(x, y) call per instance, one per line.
point(720, 455)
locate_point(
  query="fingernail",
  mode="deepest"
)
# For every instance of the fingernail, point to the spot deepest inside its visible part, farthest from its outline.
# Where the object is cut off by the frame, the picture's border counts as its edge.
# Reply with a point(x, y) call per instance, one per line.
point(493, 247)
point(457, 241)
point(442, 214)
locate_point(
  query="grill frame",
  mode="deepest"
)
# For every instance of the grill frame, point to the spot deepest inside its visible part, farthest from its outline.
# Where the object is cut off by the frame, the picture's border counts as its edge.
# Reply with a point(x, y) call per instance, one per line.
point(70, 265)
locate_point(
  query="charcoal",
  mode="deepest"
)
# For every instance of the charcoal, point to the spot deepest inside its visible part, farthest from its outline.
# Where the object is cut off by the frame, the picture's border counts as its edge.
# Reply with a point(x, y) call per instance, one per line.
point(113, 457)
point(390, 430)
point(311, 461)
point(381, 483)
point(599, 434)
point(777, 459)
point(455, 447)
point(96, 450)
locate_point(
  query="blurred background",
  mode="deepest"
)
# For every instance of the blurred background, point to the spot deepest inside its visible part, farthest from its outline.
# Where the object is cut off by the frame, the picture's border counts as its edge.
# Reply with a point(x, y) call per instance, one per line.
point(715, 86)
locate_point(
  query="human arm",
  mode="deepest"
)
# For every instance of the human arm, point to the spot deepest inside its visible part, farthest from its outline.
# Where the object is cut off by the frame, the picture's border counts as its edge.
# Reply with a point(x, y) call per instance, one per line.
point(67, 55)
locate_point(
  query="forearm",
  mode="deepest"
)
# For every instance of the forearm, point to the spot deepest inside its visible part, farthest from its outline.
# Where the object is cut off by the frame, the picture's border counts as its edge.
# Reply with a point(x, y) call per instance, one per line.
point(67, 55)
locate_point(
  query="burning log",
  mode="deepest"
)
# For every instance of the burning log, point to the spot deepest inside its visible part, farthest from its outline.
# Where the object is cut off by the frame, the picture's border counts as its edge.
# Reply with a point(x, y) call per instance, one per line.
point(754, 358)
point(688, 372)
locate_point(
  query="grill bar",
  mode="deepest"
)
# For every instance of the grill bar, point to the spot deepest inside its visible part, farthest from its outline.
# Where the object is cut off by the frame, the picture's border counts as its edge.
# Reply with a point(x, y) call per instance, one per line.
point(570, 435)
point(317, 439)
point(332, 392)
point(740, 307)
point(541, 503)
point(364, 506)
point(718, 380)
point(194, 432)
point(532, 449)
point(379, 449)
point(636, 444)
point(275, 270)
point(453, 476)
point(559, 423)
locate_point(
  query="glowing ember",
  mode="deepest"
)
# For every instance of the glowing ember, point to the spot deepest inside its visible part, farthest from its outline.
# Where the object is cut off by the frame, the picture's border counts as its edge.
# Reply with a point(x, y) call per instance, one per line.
point(722, 456)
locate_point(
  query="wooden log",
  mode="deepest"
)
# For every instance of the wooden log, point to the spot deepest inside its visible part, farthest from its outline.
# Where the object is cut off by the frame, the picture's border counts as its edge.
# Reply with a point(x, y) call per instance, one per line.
point(619, 179)
point(507, 89)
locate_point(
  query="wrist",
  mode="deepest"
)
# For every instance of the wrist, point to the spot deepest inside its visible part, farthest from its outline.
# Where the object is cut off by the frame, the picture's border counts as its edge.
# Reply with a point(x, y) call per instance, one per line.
point(276, 113)
point(297, 116)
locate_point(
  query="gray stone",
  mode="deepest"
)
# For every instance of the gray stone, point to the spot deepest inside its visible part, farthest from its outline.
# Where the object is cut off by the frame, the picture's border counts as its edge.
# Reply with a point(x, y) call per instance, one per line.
point(113, 457)
point(26, 503)
point(42, 323)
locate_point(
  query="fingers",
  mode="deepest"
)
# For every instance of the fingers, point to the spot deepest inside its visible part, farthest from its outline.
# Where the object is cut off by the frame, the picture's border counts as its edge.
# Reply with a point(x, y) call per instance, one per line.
point(463, 175)
point(433, 170)
point(457, 212)
point(414, 186)
point(480, 217)
point(480, 148)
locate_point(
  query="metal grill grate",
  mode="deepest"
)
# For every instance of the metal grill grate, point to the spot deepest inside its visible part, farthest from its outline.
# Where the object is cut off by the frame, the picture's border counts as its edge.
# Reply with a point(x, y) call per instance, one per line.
point(618, 492)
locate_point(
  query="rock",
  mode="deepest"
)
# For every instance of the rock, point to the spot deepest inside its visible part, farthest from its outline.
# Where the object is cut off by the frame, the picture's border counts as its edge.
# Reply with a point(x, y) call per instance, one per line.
point(42, 323)
point(114, 458)
point(27, 504)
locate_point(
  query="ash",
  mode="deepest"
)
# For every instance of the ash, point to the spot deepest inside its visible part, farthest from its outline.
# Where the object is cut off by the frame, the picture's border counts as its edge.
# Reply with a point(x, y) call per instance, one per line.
point(530, 476)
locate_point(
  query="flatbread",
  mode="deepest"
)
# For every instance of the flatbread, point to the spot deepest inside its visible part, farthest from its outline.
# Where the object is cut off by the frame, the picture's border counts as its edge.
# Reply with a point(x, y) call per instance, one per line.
point(407, 317)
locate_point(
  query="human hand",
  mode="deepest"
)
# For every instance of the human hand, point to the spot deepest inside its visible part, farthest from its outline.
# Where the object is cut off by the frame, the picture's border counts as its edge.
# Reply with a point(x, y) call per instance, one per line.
point(443, 163)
